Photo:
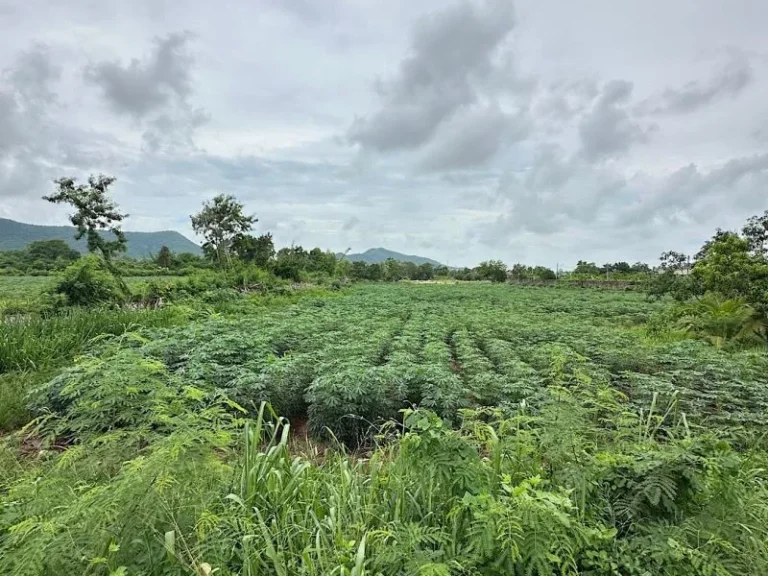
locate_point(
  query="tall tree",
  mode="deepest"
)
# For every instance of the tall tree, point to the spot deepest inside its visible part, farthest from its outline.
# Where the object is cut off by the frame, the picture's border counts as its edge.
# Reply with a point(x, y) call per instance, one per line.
point(493, 270)
point(164, 258)
point(259, 250)
point(94, 211)
point(756, 232)
point(220, 222)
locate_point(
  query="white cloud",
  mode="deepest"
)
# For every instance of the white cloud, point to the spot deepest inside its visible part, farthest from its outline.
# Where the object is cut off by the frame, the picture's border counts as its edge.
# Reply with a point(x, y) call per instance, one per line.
point(476, 131)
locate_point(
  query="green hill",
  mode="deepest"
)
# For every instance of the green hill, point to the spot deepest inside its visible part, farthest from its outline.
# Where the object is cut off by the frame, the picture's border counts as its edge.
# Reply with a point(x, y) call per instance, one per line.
point(17, 235)
point(378, 255)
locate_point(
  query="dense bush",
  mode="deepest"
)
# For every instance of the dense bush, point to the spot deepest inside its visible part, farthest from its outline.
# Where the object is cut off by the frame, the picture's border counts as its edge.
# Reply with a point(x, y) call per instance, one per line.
point(89, 282)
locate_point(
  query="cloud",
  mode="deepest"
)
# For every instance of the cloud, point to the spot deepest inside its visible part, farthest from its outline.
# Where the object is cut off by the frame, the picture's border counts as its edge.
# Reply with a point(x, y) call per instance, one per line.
point(452, 53)
point(142, 87)
point(608, 129)
point(25, 95)
point(486, 136)
point(350, 223)
point(155, 92)
point(27, 141)
point(729, 81)
point(34, 74)
point(472, 137)
point(690, 189)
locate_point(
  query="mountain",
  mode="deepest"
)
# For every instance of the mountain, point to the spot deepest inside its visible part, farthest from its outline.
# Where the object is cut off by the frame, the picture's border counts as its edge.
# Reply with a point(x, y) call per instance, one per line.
point(378, 255)
point(17, 235)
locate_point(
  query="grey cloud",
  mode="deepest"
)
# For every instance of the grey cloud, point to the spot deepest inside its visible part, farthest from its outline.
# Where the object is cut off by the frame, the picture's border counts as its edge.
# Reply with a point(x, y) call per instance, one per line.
point(309, 11)
point(730, 81)
point(549, 171)
point(687, 187)
point(586, 204)
point(33, 75)
point(608, 129)
point(27, 140)
point(25, 94)
point(171, 132)
point(472, 137)
point(142, 87)
point(155, 93)
point(11, 129)
point(563, 100)
point(450, 50)
point(554, 192)
point(760, 135)
point(350, 223)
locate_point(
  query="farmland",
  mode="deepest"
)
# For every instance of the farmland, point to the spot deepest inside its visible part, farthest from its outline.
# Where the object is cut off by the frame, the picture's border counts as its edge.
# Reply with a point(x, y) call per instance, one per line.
point(427, 429)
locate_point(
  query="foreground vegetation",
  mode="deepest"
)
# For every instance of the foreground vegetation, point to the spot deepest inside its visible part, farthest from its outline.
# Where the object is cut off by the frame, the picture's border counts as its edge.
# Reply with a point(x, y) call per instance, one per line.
point(488, 430)
point(253, 413)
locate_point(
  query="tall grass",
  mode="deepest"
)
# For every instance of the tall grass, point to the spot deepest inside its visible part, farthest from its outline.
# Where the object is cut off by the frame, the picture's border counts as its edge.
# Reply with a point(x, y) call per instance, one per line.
point(37, 342)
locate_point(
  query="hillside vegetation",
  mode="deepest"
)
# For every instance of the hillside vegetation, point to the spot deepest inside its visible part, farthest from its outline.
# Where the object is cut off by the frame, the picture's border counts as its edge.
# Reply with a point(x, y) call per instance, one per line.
point(381, 255)
point(17, 236)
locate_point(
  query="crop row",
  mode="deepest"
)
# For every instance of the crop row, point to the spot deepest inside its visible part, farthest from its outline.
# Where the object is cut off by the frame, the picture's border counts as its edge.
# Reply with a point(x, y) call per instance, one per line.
point(348, 363)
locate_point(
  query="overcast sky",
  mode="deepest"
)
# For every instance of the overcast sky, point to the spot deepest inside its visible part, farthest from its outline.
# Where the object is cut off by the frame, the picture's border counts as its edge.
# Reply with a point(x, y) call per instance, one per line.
point(538, 131)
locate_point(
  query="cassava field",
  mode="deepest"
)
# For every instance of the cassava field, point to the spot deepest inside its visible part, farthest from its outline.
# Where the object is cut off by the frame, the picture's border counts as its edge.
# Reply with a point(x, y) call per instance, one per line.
point(463, 429)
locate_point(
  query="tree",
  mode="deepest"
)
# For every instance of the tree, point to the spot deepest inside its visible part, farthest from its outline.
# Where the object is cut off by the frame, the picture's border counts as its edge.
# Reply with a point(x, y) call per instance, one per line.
point(52, 251)
point(584, 268)
point(756, 233)
point(493, 270)
point(220, 222)
point(621, 267)
point(640, 268)
point(290, 262)
point(543, 273)
point(358, 270)
point(164, 258)
point(673, 261)
point(94, 211)
point(726, 266)
point(426, 272)
point(320, 261)
point(392, 270)
point(258, 250)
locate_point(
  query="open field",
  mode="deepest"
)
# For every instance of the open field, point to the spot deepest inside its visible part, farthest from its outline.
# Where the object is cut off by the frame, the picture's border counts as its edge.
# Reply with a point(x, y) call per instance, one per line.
point(383, 347)
point(570, 443)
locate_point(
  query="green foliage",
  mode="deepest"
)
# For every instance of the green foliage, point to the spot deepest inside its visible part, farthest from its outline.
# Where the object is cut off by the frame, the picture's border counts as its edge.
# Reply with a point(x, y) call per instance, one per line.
point(523, 272)
point(756, 233)
point(164, 258)
point(255, 250)
point(94, 211)
point(493, 270)
point(722, 321)
point(16, 236)
point(14, 388)
point(52, 251)
point(726, 266)
point(504, 430)
point(89, 282)
point(39, 342)
point(221, 221)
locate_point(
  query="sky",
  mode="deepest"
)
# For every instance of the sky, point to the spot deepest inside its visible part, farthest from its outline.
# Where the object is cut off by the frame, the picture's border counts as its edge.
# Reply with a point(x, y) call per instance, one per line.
point(535, 131)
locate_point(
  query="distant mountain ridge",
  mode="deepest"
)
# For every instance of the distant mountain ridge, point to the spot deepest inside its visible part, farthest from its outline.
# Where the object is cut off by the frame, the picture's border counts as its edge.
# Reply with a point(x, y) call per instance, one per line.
point(18, 235)
point(378, 255)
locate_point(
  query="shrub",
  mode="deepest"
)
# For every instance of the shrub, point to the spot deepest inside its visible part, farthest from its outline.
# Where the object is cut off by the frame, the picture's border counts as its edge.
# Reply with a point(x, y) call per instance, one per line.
point(88, 282)
point(721, 321)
